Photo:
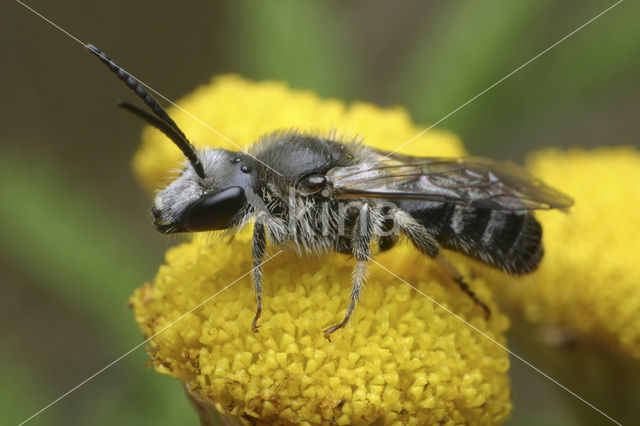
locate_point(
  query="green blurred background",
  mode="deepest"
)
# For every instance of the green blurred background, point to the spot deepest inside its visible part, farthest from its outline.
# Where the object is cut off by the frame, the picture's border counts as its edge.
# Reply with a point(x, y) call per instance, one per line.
point(75, 231)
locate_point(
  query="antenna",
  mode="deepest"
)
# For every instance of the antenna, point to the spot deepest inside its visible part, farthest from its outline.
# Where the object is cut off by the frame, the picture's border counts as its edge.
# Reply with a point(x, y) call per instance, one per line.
point(163, 122)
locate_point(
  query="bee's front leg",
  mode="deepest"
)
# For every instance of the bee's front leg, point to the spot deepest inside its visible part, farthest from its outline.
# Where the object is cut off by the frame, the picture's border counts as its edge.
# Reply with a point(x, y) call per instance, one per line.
point(258, 248)
point(361, 244)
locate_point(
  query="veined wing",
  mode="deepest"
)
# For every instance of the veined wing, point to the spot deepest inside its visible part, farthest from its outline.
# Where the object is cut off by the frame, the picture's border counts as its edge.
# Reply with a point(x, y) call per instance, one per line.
point(471, 181)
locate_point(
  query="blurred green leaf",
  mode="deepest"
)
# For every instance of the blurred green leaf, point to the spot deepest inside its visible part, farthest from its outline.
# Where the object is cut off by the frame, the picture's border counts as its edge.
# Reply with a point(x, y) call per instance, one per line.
point(597, 65)
point(469, 49)
point(602, 56)
point(61, 234)
point(20, 392)
point(476, 44)
point(297, 42)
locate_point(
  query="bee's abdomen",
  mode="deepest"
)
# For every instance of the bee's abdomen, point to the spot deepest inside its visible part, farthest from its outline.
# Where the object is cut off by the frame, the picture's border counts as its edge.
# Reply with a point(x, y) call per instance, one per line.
point(510, 241)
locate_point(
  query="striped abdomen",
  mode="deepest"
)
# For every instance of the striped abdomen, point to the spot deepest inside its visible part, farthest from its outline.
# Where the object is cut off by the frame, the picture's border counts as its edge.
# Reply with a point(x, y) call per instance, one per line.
point(510, 241)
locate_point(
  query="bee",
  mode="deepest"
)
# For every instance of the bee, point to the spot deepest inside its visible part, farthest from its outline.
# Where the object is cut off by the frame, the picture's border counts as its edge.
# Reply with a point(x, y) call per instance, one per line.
point(321, 194)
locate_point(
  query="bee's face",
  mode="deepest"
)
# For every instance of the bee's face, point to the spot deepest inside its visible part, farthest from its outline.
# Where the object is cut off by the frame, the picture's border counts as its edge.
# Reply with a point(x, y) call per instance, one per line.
point(191, 204)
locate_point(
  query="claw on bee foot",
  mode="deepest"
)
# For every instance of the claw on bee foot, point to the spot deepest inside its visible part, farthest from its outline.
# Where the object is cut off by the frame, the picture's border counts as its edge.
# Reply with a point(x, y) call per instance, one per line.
point(254, 323)
point(329, 331)
point(487, 311)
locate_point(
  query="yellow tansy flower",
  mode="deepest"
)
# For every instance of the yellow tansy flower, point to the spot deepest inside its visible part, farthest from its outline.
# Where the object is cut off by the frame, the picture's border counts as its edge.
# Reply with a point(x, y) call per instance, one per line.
point(589, 281)
point(401, 359)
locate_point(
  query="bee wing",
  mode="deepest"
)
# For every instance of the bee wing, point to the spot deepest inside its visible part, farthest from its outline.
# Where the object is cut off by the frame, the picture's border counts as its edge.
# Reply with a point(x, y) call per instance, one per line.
point(472, 181)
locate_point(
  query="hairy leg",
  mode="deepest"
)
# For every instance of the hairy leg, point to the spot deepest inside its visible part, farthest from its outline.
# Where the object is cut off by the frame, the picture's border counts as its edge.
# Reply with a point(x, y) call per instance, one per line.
point(361, 243)
point(258, 248)
point(426, 243)
point(458, 279)
point(417, 234)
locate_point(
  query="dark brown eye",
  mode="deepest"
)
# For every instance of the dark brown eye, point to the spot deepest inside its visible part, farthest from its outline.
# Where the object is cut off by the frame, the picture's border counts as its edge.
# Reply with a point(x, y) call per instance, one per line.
point(312, 184)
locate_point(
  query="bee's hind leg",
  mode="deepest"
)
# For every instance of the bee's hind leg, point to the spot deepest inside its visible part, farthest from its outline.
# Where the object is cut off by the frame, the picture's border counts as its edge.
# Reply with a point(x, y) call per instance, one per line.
point(258, 248)
point(458, 279)
point(423, 241)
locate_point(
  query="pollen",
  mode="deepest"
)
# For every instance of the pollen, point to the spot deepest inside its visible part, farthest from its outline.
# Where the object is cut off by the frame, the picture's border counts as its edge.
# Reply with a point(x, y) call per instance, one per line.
point(402, 359)
point(588, 284)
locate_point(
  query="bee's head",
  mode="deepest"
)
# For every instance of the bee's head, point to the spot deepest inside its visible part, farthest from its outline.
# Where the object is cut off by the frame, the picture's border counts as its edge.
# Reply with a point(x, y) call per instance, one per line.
point(217, 201)
point(210, 193)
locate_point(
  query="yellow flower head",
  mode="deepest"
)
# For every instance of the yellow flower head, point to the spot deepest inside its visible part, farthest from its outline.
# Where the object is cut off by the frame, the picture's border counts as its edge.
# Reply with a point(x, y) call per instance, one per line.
point(401, 359)
point(589, 281)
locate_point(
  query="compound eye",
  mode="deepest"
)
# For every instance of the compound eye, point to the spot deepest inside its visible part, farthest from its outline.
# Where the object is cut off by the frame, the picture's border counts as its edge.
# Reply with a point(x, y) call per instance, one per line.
point(214, 211)
point(312, 184)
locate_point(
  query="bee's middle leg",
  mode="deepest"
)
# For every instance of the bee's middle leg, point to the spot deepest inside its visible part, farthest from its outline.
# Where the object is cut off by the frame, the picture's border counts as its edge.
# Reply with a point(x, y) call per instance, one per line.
point(361, 245)
point(359, 276)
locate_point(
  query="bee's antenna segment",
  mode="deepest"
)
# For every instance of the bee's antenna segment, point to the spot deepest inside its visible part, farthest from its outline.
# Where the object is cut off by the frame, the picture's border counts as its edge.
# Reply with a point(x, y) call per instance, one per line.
point(163, 122)
point(169, 132)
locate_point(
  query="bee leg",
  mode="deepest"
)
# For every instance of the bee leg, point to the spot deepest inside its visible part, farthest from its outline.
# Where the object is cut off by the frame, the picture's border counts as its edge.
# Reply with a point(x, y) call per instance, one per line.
point(417, 234)
point(258, 248)
point(423, 241)
point(465, 287)
point(458, 279)
point(361, 245)
point(359, 276)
